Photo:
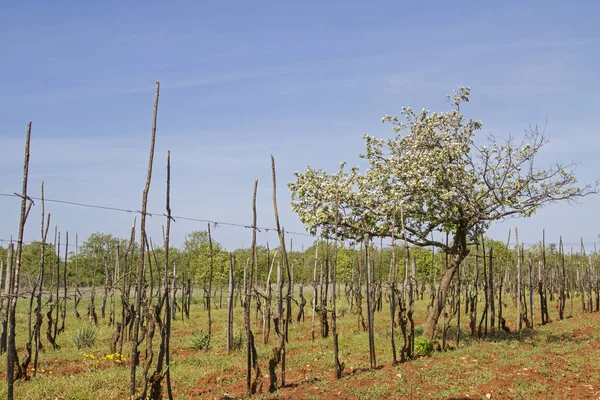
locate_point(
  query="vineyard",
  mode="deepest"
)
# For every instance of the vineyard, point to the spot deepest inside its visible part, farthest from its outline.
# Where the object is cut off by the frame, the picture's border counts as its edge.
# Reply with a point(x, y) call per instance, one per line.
point(401, 295)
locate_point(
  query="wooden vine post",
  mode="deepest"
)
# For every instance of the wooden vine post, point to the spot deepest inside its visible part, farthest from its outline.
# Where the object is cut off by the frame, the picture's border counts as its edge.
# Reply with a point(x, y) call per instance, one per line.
point(12, 359)
point(142, 252)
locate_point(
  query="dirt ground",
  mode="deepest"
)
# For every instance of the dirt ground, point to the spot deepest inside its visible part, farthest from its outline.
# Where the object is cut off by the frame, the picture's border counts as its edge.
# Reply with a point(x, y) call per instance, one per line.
point(559, 360)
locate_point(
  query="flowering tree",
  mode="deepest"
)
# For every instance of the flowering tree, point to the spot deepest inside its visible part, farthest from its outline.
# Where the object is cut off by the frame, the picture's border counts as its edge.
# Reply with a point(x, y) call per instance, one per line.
point(432, 177)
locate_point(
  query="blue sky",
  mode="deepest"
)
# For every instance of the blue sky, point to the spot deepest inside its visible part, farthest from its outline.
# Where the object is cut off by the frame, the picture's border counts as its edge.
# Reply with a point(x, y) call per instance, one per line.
point(300, 80)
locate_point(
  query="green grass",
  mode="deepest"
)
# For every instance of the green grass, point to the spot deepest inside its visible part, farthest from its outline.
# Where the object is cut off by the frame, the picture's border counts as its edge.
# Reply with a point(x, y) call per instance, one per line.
point(560, 355)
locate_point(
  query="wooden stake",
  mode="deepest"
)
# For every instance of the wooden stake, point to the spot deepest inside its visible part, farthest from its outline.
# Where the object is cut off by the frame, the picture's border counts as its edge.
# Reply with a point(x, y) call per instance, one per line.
point(142, 249)
point(12, 358)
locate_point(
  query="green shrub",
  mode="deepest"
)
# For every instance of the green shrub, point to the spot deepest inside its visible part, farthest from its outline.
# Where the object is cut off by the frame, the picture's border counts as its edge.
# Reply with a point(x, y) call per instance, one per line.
point(199, 340)
point(85, 337)
point(238, 340)
point(196, 300)
point(342, 311)
point(423, 347)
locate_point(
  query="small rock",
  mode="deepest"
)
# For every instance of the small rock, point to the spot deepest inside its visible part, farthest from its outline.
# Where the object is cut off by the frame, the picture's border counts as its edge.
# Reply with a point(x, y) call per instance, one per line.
point(489, 395)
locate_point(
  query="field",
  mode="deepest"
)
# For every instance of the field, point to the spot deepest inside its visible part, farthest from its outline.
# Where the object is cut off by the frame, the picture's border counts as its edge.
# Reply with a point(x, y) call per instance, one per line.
point(555, 361)
point(208, 359)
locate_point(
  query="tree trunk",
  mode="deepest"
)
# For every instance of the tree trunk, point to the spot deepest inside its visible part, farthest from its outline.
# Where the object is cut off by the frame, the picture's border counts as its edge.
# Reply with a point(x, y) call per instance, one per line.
point(370, 318)
point(433, 316)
